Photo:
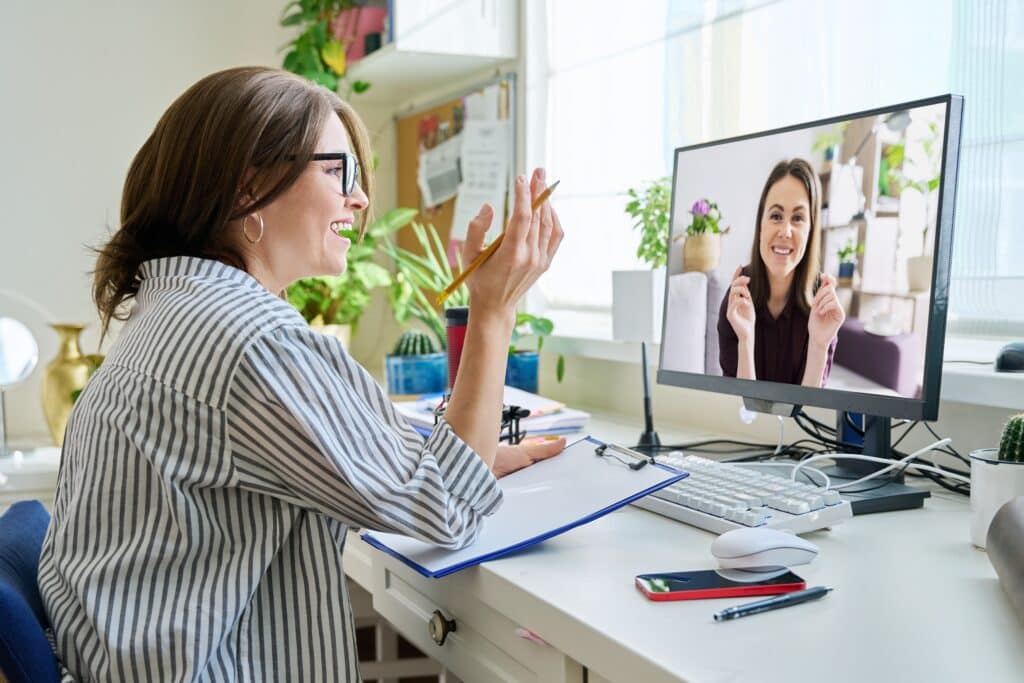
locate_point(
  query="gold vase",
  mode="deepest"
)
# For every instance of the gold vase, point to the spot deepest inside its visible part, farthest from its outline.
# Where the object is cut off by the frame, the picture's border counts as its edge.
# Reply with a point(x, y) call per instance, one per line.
point(65, 375)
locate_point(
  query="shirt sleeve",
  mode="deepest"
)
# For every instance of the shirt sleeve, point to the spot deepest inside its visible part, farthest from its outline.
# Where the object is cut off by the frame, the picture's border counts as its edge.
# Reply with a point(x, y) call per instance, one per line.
point(728, 342)
point(310, 425)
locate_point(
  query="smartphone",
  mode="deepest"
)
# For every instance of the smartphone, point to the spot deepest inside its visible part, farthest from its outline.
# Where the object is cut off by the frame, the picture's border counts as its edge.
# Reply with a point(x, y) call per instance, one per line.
point(702, 584)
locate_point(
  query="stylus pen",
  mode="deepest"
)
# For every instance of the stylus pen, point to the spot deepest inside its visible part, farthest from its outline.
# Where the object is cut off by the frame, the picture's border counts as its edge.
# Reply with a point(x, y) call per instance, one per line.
point(771, 603)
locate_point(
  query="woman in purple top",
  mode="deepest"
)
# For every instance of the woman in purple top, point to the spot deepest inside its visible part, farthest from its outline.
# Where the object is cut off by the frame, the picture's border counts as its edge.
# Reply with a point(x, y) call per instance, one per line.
point(779, 320)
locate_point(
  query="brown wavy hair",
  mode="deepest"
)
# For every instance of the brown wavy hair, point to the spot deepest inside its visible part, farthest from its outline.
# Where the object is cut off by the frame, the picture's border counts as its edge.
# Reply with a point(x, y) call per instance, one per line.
point(807, 271)
point(228, 146)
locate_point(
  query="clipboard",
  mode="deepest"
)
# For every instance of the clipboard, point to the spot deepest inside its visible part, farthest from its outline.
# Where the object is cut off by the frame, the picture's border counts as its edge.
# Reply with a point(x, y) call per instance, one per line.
point(541, 501)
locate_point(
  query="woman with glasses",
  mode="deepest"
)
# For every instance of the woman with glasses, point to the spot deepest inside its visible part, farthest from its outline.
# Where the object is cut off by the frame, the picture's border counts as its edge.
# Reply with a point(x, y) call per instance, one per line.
point(213, 464)
point(780, 317)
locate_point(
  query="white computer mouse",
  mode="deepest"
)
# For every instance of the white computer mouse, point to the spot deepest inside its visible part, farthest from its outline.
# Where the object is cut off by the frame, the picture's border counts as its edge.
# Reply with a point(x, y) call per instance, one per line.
point(761, 549)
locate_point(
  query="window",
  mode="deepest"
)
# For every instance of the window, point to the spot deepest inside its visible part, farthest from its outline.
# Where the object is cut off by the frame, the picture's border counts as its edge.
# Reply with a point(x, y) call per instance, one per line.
point(636, 80)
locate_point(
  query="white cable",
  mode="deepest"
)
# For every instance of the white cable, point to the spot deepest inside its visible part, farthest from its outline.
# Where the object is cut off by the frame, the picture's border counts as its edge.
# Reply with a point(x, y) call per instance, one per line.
point(778, 446)
point(825, 478)
point(912, 466)
point(904, 462)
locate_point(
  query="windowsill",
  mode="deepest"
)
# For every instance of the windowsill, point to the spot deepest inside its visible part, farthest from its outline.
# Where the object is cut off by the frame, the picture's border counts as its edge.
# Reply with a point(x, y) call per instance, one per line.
point(589, 335)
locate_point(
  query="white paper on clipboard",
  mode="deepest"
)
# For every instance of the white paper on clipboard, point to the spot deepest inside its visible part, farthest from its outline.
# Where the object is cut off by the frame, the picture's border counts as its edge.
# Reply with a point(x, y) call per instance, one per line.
point(486, 152)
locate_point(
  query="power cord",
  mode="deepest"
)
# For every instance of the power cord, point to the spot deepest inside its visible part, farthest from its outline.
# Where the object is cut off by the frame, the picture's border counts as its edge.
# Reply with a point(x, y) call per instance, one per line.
point(905, 462)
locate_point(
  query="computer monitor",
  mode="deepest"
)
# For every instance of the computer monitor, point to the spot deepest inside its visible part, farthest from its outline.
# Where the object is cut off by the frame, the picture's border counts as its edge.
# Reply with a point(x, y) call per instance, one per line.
point(841, 232)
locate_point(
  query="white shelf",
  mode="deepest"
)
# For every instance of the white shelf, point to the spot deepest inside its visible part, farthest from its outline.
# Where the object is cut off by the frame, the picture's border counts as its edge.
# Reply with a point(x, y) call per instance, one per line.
point(397, 76)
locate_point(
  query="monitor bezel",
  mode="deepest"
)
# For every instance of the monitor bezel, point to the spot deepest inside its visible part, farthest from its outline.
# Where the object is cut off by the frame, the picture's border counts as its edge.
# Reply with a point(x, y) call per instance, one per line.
point(924, 408)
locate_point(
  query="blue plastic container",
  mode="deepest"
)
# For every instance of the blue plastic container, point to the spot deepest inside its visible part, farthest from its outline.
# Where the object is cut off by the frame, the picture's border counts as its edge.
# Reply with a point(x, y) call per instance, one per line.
point(521, 371)
point(423, 374)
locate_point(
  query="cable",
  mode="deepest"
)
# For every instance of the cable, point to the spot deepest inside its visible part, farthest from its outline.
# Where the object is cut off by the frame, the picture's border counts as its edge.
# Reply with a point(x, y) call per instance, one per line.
point(825, 477)
point(906, 462)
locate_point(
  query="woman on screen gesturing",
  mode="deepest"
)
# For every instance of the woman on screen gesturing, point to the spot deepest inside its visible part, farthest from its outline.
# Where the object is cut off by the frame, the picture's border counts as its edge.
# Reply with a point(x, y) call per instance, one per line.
point(778, 322)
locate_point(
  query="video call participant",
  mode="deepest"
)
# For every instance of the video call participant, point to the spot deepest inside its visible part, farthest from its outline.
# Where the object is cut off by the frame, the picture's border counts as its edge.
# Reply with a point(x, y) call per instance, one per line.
point(772, 324)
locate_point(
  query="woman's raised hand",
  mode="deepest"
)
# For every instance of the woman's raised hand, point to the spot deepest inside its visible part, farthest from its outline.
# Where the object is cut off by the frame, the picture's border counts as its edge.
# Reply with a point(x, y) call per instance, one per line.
point(530, 242)
point(827, 313)
point(740, 311)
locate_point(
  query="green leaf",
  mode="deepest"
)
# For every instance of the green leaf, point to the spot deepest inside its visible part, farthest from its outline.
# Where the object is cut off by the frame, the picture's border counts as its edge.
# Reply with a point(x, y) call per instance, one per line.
point(319, 32)
point(373, 274)
point(324, 78)
point(541, 326)
point(560, 368)
point(295, 19)
point(359, 87)
point(392, 221)
point(291, 61)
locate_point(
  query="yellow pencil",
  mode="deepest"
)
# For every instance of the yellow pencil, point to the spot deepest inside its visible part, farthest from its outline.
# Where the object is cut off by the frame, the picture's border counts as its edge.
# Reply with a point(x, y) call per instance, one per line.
point(486, 253)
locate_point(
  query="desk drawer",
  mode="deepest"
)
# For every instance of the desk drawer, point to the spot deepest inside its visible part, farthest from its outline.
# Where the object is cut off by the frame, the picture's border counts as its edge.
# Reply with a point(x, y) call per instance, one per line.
point(484, 647)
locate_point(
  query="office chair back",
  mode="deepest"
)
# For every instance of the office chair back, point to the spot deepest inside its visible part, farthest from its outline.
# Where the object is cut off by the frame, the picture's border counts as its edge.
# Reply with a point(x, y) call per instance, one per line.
point(25, 654)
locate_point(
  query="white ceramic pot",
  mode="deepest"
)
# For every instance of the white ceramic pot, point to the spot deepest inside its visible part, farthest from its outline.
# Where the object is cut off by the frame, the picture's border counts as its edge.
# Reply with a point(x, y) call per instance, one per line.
point(993, 482)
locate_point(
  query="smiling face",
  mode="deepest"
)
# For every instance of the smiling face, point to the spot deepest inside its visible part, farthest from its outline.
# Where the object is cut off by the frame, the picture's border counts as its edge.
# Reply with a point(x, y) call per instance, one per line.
point(301, 225)
point(785, 227)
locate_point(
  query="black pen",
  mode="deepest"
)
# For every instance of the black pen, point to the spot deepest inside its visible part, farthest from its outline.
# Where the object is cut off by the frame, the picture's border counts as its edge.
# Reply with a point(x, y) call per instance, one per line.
point(778, 601)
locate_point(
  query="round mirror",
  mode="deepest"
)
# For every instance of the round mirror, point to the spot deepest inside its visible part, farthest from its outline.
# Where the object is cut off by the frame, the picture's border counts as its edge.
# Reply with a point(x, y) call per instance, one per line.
point(18, 352)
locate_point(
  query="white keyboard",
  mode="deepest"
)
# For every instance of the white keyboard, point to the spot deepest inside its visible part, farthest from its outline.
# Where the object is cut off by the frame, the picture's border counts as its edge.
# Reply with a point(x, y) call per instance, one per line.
point(718, 497)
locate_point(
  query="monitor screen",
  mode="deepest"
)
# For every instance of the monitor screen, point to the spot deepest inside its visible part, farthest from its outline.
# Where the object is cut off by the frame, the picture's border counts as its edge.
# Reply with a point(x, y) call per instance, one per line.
point(809, 265)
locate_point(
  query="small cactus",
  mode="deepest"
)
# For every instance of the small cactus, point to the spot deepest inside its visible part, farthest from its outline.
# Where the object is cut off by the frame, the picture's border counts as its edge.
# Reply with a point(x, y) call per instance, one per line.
point(1011, 445)
point(413, 343)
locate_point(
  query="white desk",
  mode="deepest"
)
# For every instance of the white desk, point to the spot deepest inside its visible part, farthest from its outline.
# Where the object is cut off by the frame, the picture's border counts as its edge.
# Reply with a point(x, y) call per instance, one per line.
point(914, 601)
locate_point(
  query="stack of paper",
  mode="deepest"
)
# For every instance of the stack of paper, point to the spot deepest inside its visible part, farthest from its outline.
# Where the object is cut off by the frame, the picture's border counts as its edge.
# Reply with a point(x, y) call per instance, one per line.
point(546, 416)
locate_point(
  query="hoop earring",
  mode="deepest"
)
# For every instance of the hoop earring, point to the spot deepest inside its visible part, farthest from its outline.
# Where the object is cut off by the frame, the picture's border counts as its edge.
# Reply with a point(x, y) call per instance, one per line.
point(246, 234)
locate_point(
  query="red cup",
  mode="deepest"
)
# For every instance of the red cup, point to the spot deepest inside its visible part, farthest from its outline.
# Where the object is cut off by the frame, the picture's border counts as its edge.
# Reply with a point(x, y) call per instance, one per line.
point(456, 319)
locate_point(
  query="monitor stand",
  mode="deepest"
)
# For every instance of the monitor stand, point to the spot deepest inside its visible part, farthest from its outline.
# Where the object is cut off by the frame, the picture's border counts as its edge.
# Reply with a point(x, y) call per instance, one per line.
point(873, 496)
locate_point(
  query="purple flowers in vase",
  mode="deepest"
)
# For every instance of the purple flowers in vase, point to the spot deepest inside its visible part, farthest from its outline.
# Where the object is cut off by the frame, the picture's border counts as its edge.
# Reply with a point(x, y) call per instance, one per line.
point(705, 217)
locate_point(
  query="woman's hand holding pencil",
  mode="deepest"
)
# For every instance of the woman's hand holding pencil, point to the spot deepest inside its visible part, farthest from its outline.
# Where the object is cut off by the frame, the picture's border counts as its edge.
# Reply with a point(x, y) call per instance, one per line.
point(497, 278)
point(500, 274)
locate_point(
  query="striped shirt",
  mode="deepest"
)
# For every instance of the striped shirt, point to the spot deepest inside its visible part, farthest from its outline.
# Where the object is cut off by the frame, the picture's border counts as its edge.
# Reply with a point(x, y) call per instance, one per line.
point(210, 471)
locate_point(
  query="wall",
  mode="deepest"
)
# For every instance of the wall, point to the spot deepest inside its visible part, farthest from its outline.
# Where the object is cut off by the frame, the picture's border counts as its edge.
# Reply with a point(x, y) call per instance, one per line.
point(83, 85)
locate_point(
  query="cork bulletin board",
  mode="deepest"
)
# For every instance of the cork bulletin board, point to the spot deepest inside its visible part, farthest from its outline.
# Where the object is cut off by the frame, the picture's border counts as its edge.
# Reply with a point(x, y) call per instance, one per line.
point(424, 129)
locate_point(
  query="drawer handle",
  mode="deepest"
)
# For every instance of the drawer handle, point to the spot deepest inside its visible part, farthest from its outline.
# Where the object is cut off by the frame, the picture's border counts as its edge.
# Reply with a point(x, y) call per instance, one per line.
point(440, 627)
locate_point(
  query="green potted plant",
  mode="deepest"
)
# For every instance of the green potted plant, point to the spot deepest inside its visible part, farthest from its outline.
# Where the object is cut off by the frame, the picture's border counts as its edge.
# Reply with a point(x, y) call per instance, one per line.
point(926, 182)
point(522, 368)
point(997, 475)
point(702, 247)
point(416, 366)
point(848, 254)
point(335, 303)
point(317, 53)
point(420, 277)
point(827, 144)
point(638, 295)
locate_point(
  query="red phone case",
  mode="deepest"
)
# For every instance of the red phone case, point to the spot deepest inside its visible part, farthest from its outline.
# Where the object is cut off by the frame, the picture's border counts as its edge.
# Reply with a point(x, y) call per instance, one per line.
point(723, 592)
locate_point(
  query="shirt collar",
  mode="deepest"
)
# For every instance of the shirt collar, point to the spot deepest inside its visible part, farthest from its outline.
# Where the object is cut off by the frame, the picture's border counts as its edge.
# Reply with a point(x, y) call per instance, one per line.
point(193, 266)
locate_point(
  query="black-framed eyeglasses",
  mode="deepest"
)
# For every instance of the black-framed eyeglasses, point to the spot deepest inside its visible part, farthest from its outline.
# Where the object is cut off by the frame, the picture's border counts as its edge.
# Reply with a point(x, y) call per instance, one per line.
point(349, 169)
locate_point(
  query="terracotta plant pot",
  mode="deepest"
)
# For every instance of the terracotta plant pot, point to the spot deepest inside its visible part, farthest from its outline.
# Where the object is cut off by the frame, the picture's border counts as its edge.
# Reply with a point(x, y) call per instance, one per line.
point(701, 253)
